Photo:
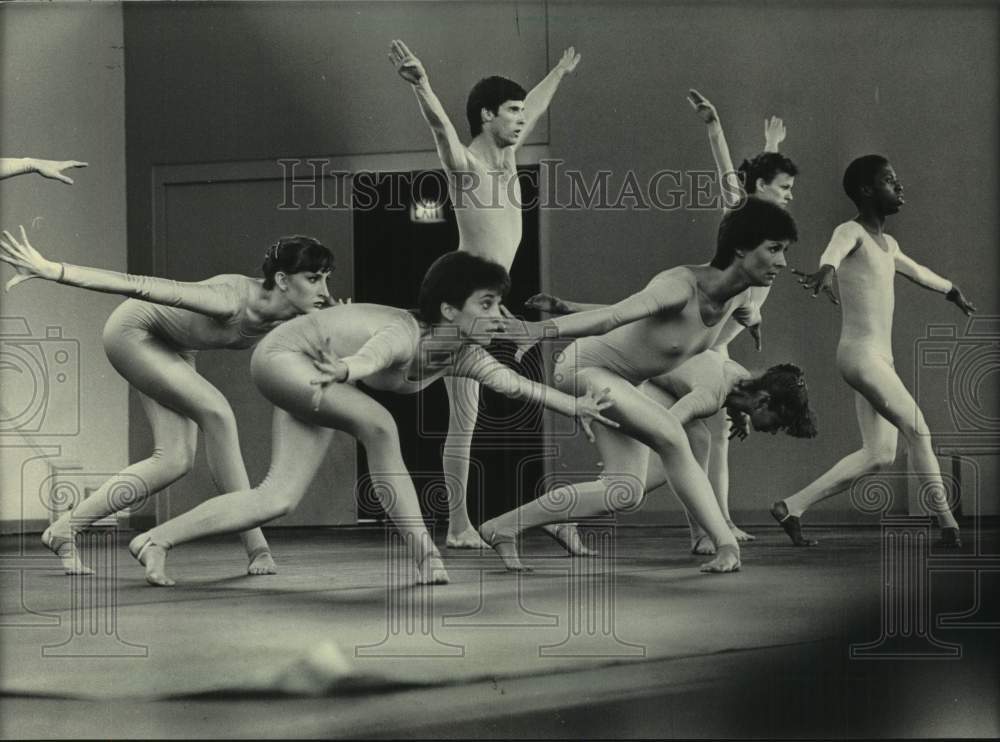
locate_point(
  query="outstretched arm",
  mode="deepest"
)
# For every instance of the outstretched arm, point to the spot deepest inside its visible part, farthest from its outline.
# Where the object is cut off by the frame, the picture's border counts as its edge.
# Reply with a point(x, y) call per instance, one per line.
point(538, 99)
point(11, 166)
point(729, 181)
point(203, 298)
point(449, 147)
point(554, 305)
point(662, 296)
point(475, 363)
point(923, 276)
point(843, 242)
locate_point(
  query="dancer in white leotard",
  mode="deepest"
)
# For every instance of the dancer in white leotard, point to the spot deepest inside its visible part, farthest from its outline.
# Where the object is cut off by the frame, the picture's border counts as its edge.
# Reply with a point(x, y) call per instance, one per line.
point(153, 343)
point(486, 194)
point(865, 260)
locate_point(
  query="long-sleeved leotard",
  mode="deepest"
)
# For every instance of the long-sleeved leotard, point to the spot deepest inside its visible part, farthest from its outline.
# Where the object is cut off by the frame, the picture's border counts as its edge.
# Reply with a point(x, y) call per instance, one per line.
point(701, 384)
point(865, 275)
point(386, 349)
point(670, 331)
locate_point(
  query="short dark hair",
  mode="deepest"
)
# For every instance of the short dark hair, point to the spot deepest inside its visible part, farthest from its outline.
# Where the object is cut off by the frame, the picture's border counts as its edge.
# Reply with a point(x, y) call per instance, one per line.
point(453, 278)
point(766, 165)
point(789, 398)
point(748, 226)
point(295, 254)
point(860, 173)
point(490, 93)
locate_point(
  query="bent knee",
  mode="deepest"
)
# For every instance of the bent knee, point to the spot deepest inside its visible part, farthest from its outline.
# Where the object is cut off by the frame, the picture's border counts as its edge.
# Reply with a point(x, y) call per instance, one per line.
point(881, 458)
point(175, 461)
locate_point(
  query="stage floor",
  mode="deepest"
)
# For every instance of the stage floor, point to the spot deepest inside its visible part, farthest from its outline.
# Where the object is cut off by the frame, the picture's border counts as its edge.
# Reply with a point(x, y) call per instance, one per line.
point(635, 643)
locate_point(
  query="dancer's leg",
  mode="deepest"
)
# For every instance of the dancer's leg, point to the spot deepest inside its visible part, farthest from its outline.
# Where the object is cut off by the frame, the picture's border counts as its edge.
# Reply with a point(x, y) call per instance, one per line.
point(463, 408)
point(175, 439)
point(170, 378)
point(645, 422)
point(887, 394)
point(300, 438)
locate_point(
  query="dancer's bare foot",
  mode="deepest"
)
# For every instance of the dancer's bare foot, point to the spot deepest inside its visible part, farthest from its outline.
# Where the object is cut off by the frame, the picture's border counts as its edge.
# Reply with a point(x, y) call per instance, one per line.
point(568, 536)
point(791, 524)
point(505, 545)
point(261, 563)
point(739, 534)
point(466, 539)
point(431, 571)
point(726, 560)
point(702, 544)
point(62, 544)
point(153, 557)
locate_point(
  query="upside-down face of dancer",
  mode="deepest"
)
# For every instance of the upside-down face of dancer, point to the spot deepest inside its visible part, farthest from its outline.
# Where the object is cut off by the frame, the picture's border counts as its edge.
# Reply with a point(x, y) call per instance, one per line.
point(775, 401)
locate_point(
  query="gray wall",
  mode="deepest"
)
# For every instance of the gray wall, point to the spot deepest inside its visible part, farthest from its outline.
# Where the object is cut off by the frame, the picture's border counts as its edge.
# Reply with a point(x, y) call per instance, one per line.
point(62, 77)
point(212, 83)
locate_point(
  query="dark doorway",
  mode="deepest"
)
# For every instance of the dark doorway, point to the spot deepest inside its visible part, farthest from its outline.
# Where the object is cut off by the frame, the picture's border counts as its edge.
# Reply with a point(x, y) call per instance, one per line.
point(393, 247)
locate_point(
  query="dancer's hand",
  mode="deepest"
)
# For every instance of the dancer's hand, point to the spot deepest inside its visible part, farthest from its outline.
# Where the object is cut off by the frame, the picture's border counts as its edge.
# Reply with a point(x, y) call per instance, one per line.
point(340, 302)
point(739, 425)
point(821, 280)
point(703, 107)
point(568, 62)
point(774, 133)
point(27, 261)
point(589, 407)
point(749, 317)
point(333, 371)
point(956, 297)
point(54, 169)
point(548, 303)
point(407, 65)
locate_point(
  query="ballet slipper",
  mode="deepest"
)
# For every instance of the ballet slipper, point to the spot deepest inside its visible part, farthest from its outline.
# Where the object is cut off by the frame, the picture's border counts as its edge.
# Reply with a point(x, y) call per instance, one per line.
point(727, 559)
point(791, 524)
point(567, 536)
point(65, 548)
point(505, 545)
point(153, 556)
